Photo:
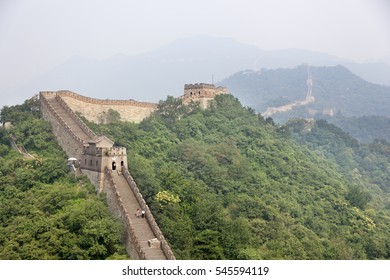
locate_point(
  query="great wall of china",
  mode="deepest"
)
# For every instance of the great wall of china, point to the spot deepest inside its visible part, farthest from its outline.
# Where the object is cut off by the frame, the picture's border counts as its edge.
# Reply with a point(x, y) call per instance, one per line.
point(94, 109)
point(130, 110)
point(106, 165)
point(201, 93)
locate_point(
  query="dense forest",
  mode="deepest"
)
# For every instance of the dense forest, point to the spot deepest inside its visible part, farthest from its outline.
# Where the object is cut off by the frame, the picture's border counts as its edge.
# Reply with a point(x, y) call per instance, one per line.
point(366, 129)
point(222, 183)
point(225, 183)
point(45, 212)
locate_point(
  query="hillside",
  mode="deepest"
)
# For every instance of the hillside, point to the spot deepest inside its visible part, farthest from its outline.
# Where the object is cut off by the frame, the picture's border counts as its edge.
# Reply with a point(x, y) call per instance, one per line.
point(335, 90)
point(45, 212)
point(366, 129)
point(224, 183)
point(366, 165)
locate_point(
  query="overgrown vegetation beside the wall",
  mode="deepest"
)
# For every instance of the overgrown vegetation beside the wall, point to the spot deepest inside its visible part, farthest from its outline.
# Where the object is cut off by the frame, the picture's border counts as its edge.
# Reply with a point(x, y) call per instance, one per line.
point(224, 183)
point(45, 212)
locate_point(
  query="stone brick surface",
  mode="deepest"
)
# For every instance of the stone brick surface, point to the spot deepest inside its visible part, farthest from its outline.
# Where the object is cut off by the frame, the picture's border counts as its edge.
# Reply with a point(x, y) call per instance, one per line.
point(95, 109)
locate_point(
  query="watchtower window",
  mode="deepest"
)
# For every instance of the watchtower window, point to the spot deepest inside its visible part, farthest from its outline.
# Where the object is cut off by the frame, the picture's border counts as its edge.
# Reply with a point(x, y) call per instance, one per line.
point(113, 165)
point(122, 163)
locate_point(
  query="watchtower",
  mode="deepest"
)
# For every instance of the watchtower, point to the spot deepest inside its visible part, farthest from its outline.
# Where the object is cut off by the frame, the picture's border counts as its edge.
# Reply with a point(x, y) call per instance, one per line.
point(98, 155)
point(202, 93)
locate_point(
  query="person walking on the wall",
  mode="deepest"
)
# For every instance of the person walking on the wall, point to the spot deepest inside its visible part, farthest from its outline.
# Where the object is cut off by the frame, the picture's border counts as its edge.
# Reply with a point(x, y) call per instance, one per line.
point(137, 213)
point(143, 214)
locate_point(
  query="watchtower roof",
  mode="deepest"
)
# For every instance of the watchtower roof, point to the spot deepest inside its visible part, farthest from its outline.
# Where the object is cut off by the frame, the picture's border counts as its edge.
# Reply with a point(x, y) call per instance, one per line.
point(199, 86)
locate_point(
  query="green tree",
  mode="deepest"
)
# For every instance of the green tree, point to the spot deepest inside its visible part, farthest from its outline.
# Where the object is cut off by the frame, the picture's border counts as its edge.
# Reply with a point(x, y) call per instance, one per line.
point(357, 197)
point(206, 246)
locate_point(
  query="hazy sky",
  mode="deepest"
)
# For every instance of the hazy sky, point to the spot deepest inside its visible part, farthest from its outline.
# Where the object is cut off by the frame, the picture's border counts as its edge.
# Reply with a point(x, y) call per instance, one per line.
point(37, 35)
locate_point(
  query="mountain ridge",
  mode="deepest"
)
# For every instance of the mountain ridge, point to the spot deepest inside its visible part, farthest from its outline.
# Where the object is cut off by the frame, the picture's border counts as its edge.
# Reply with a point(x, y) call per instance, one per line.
point(153, 75)
point(335, 89)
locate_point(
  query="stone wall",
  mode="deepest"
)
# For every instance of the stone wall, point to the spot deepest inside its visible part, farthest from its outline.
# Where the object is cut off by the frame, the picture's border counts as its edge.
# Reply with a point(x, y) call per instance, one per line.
point(72, 145)
point(71, 112)
point(149, 216)
point(96, 178)
point(201, 93)
point(114, 200)
point(94, 109)
point(94, 160)
point(95, 163)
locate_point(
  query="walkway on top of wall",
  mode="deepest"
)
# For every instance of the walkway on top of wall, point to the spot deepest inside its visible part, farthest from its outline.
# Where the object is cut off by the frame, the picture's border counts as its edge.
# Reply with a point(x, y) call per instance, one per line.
point(77, 130)
point(142, 229)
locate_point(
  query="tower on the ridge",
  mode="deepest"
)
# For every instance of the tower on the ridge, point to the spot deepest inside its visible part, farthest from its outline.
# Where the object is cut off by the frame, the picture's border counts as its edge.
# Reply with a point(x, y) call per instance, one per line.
point(202, 93)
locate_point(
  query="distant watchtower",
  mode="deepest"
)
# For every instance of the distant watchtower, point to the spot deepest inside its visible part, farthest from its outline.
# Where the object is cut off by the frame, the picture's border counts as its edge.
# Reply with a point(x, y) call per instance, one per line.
point(202, 93)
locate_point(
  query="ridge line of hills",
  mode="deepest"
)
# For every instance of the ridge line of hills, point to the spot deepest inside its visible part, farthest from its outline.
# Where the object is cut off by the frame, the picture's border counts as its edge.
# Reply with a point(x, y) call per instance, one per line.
point(339, 96)
point(195, 59)
point(223, 183)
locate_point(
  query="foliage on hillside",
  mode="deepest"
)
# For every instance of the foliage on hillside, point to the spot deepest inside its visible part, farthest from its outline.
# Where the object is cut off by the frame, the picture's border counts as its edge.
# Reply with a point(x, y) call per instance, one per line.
point(366, 165)
point(225, 183)
point(45, 212)
point(366, 129)
point(334, 88)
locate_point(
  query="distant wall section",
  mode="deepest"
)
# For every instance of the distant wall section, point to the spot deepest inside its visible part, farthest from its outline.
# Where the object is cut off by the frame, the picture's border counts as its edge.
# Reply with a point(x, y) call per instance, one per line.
point(202, 93)
point(94, 109)
point(72, 145)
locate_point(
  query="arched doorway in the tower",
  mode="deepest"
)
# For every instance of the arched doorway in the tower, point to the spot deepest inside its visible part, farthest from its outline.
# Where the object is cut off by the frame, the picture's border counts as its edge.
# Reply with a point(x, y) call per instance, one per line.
point(121, 163)
point(113, 165)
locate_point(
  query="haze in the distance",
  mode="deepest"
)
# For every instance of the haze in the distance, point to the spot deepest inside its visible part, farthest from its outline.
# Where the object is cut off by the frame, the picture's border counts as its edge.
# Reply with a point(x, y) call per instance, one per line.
point(38, 35)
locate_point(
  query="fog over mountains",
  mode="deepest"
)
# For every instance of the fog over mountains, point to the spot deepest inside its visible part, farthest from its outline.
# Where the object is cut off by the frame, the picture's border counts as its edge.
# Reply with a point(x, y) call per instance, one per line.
point(154, 75)
point(334, 90)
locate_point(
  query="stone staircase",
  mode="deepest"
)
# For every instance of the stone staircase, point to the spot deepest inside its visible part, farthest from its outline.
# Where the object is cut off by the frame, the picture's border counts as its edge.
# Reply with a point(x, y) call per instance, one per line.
point(77, 130)
point(142, 231)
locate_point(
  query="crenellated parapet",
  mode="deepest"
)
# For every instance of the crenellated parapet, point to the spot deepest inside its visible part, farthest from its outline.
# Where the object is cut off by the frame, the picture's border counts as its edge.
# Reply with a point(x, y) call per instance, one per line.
point(46, 107)
point(96, 110)
point(201, 93)
point(97, 158)
point(106, 167)
point(85, 99)
point(73, 115)
point(199, 86)
point(149, 216)
point(66, 137)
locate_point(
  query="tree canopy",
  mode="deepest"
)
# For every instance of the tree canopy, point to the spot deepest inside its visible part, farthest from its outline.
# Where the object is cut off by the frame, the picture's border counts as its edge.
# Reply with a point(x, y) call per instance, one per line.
point(45, 212)
point(224, 183)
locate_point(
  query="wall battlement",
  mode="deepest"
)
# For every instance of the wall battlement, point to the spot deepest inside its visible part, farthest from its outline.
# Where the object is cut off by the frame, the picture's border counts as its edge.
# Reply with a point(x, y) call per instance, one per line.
point(130, 102)
point(76, 118)
point(68, 140)
point(96, 110)
point(201, 93)
point(106, 167)
point(198, 86)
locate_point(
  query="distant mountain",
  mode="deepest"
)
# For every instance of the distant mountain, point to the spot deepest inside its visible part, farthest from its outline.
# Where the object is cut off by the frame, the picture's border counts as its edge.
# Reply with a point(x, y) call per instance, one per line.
point(335, 90)
point(154, 75)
